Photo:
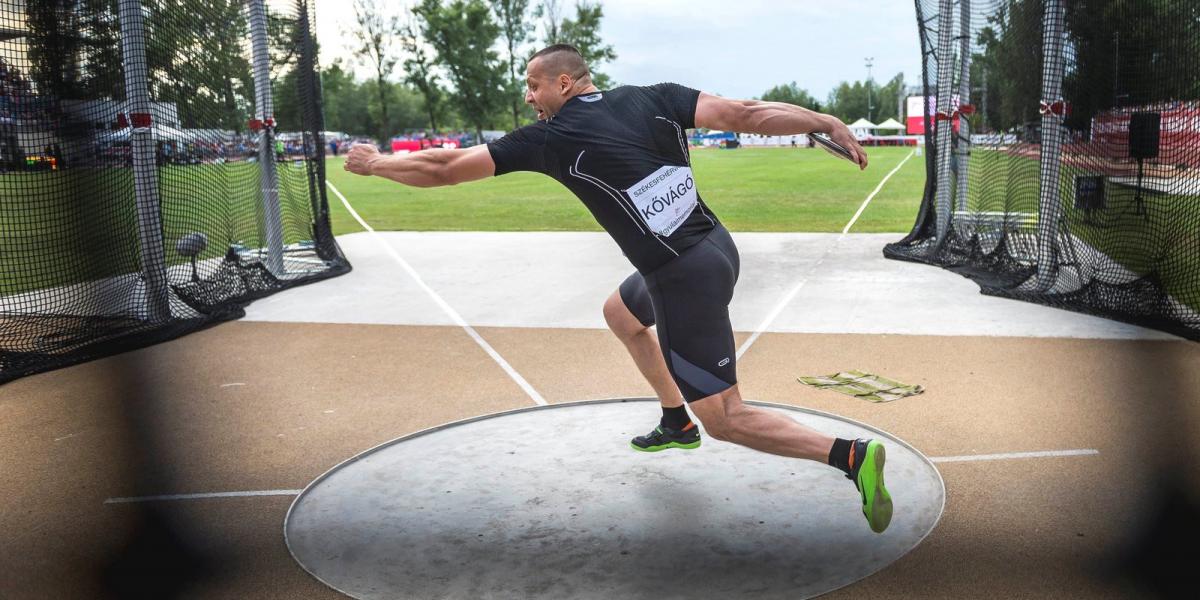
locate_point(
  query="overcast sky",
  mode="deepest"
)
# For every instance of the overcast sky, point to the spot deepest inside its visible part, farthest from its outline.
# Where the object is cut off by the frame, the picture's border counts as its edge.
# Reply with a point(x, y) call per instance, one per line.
point(736, 48)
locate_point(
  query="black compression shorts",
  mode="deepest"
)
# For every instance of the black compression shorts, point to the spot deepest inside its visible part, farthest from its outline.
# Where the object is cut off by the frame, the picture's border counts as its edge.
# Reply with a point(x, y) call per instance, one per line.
point(688, 299)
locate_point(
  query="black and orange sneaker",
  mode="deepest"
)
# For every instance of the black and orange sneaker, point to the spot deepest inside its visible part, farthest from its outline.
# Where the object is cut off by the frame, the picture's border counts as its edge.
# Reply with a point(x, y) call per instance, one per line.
point(664, 437)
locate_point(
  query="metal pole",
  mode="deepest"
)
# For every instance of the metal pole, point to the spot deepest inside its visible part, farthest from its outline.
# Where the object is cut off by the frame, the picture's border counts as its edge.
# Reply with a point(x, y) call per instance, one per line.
point(983, 113)
point(962, 153)
point(870, 105)
point(945, 77)
point(145, 171)
point(265, 114)
point(1050, 199)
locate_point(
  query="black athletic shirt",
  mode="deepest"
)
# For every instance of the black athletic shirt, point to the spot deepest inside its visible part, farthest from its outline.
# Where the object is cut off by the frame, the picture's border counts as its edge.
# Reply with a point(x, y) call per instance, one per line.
point(623, 152)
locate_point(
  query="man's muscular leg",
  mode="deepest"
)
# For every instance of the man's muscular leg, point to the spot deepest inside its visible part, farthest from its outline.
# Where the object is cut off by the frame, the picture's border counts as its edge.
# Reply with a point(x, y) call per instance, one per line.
point(642, 344)
point(725, 417)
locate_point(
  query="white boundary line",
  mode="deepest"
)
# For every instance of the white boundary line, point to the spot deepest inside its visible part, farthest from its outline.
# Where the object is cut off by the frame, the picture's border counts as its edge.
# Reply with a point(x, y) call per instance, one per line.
point(1014, 455)
point(877, 188)
point(453, 314)
point(787, 299)
point(934, 459)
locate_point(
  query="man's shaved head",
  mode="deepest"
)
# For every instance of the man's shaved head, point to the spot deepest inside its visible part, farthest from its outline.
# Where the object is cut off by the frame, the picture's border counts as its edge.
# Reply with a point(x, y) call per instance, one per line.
point(554, 75)
point(561, 59)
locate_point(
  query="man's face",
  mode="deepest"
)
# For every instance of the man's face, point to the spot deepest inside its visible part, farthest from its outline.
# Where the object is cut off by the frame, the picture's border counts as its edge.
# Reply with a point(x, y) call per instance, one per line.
point(544, 92)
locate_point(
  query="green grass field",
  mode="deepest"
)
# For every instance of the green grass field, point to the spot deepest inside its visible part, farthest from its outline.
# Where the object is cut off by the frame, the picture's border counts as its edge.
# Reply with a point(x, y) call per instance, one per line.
point(76, 225)
point(65, 227)
point(1158, 241)
point(750, 189)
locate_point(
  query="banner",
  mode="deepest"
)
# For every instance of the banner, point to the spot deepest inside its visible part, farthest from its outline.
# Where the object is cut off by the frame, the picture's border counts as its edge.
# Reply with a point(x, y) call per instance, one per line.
point(1179, 132)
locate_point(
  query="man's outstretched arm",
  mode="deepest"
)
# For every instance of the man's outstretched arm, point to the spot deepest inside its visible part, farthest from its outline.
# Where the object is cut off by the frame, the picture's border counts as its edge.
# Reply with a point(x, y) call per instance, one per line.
point(773, 118)
point(428, 168)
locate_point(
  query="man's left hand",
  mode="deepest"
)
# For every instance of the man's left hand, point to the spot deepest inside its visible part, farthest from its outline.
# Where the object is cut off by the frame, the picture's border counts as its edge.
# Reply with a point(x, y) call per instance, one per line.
point(842, 135)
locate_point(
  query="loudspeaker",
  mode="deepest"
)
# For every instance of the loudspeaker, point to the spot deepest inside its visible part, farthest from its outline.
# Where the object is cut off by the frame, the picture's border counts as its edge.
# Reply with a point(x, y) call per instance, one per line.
point(1143, 135)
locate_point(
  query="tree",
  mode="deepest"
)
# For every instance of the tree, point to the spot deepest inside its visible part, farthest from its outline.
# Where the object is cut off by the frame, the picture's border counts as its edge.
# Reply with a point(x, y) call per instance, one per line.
point(346, 106)
point(849, 102)
point(463, 33)
point(1012, 57)
point(404, 103)
point(792, 94)
point(517, 30)
point(290, 60)
point(375, 34)
point(200, 68)
point(1130, 54)
point(550, 12)
point(583, 32)
point(419, 66)
point(889, 98)
point(75, 49)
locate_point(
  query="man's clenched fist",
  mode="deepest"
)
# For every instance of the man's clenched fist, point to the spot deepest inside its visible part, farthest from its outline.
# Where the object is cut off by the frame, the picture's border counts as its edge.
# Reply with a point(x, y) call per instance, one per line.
point(358, 160)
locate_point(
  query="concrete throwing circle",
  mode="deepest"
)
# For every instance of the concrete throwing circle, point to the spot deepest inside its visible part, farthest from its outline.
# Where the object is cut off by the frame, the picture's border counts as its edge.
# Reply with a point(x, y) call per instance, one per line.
point(551, 502)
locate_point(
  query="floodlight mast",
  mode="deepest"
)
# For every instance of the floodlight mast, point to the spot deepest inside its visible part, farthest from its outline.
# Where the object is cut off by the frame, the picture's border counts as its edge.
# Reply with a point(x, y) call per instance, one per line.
point(145, 171)
point(870, 60)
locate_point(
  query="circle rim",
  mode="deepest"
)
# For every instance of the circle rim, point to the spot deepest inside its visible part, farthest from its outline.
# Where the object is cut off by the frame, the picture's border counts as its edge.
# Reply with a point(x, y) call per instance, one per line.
point(614, 400)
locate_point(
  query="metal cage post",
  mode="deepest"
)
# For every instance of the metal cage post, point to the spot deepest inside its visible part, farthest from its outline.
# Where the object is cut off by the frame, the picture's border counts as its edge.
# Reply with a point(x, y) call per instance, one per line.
point(1049, 196)
point(265, 115)
point(944, 126)
point(962, 153)
point(145, 170)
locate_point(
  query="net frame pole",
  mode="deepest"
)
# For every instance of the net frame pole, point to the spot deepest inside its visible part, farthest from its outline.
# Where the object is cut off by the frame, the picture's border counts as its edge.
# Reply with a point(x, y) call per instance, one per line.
point(145, 172)
point(1049, 197)
point(265, 114)
point(962, 154)
point(944, 129)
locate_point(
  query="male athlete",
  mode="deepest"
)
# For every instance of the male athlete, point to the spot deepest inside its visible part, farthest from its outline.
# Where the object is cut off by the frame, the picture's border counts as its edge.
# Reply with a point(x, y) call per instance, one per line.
point(624, 153)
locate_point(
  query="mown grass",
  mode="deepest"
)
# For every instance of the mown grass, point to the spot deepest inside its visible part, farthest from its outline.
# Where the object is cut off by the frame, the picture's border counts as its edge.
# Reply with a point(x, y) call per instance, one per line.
point(65, 227)
point(750, 189)
point(1163, 238)
point(80, 224)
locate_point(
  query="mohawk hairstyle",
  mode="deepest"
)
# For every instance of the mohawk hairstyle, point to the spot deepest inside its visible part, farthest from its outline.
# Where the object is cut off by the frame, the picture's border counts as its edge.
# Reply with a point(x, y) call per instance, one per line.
point(563, 58)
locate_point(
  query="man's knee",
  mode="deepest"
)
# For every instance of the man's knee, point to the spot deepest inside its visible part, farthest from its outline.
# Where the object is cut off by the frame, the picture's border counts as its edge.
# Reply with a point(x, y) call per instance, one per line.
point(718, 428)
point(619, 319)
point(721, 414)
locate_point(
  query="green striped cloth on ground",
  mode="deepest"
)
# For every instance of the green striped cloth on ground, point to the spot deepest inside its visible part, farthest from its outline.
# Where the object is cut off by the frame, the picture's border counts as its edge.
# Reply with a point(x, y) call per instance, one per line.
point(867, 386)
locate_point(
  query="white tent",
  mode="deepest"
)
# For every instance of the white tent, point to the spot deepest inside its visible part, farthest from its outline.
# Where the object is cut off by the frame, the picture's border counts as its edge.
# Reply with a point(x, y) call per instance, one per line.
point(162, 133)
point(890, 124)
point(861, 128)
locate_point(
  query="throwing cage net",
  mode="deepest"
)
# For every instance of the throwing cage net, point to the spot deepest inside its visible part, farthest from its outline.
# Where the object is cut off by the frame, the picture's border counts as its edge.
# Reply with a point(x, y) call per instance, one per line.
point(1063, 154)
point(161, 166)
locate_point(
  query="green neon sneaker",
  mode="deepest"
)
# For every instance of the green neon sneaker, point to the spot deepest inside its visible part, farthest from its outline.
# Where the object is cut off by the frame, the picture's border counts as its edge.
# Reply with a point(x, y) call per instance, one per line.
point(664, 437)
point(867, 474)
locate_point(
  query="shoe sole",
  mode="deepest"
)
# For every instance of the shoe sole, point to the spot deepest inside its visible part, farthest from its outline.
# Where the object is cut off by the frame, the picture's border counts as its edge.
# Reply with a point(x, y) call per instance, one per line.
point(877, 502)
point(687, 446)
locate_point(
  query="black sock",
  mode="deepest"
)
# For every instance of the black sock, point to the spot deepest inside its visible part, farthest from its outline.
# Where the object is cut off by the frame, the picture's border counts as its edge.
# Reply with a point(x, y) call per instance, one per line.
point(675, 418)
point(839, 456)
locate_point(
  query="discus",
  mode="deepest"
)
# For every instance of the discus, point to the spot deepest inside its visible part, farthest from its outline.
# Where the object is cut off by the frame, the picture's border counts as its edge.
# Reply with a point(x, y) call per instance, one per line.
point(831, 146)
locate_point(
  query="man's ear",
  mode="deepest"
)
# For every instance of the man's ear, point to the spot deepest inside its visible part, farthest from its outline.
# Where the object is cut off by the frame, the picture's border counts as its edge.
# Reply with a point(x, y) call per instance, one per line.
point(564, 83)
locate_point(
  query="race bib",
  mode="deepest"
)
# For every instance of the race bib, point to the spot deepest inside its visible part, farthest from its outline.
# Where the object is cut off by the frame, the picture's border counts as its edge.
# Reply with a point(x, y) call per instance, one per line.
point(665, 198)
